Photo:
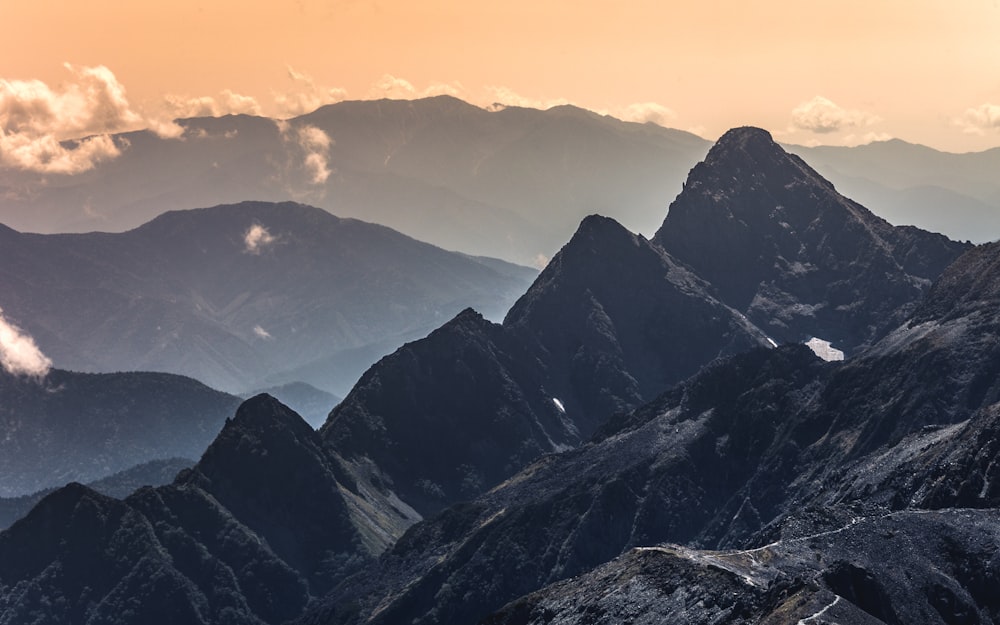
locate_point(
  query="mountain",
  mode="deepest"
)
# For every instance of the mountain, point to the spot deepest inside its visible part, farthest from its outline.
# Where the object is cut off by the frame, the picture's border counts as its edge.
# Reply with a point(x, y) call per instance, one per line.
point(626, 445)
point(769, 484)
point(119, 485)
point(509, 183)
point(265, 520)
point(610, 322)
point(306, 400)
point(82, 427)
point(954, 194)
point(799, 259)
point(241, 296)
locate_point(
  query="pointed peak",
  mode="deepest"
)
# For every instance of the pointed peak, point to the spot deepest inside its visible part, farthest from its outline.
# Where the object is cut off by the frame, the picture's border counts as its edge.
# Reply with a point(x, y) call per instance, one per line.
point(264, 412)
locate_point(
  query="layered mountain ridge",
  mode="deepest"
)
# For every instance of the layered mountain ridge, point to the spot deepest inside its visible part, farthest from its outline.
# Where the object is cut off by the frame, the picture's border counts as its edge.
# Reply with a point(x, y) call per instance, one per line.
point(241, 296)
point(708, 475)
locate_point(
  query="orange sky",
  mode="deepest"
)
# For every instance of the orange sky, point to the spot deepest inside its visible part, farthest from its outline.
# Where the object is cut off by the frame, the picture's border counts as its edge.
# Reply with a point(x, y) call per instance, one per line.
point(811, 71)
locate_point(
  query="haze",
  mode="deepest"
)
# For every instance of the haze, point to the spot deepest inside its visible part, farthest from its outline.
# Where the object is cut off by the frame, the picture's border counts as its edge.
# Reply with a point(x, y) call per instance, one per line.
point(818, 72)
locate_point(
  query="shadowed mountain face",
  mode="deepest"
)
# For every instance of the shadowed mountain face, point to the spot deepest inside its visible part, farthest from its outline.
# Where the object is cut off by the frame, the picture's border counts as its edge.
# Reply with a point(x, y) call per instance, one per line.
point(609, 323)
point(701, 475)
point(81, 427)
point(800, 260)
point(241, 296)
point(770, 447)
point(266, 519)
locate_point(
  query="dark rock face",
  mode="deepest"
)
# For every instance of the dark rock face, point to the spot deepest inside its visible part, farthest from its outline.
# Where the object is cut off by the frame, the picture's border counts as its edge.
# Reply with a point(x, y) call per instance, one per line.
point(908, 567)
point(264, 521)
point(88, 426)
point(780, 244)
point(609, 323)
point(770, 446)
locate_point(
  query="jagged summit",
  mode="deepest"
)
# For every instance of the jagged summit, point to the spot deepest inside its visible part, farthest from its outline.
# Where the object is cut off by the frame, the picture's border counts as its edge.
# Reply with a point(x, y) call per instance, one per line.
point(780, 244)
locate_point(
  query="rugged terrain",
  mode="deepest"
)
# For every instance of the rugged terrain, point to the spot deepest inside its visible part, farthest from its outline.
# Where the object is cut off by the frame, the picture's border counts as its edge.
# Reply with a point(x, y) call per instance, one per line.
point(631, 444)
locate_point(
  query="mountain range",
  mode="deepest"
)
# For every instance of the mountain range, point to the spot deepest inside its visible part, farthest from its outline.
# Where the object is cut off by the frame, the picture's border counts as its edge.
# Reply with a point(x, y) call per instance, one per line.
point(505, 182)
point(241, 296)
point(643, 439)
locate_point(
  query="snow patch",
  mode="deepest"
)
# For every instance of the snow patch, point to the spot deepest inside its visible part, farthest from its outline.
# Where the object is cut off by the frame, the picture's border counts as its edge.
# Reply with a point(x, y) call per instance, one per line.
point(262, 333)
point(559, 405)
point(824, 350)
point(771, 341)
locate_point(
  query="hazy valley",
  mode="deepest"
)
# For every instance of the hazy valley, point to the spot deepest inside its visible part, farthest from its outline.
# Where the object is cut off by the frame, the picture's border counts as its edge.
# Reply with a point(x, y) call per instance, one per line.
point(636, 432)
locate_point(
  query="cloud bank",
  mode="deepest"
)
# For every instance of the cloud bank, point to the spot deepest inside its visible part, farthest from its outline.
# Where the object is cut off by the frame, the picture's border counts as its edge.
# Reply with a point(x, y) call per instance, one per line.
point(306, 97)
point(36, 121)
point(978, 120)
point(648, 112)
point(18, 353)
point(822, 116)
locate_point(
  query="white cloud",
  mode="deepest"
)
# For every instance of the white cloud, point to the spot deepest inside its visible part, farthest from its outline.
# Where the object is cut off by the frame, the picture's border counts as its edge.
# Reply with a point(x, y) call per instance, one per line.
point(394, 88)
point(262, 333)
point(823, 116)
point(35, 119)
point(228, 103)
point(18, 353)
point(256, 238)
point(504, 96)
point(306, 96)
point(648, 112)
point(980, 119)
point(313, 147)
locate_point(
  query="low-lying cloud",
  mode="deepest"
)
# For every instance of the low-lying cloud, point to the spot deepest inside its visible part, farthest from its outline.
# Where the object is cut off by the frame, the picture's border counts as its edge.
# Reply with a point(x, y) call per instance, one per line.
point(980, 119)
point(306, 97)
point(822, 116)
point(19, 355)
point(504, 96)
point(36, 121)
point(648, 112)
point(310, 147)
point(256, 238)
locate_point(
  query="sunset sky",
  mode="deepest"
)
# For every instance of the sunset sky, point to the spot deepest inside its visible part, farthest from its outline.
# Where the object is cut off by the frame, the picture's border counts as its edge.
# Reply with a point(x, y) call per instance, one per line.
point(810, 71)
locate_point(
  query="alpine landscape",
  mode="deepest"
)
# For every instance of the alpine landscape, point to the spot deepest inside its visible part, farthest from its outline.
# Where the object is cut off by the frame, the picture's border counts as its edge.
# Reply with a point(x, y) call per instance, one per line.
point(420, 358)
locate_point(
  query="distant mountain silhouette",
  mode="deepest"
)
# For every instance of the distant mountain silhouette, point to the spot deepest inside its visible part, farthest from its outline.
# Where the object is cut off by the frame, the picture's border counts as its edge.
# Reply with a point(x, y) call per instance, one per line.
point(241, 296)
point(511, 183)
point(82, 427)
point(118, 485)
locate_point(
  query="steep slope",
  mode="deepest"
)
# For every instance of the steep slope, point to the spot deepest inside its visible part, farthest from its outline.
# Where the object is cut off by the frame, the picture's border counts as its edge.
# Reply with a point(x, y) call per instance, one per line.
point(177, 554)
point(770, 446)
point(800, 260)
point(240, 296)
point(609, 323)
point(81, 427)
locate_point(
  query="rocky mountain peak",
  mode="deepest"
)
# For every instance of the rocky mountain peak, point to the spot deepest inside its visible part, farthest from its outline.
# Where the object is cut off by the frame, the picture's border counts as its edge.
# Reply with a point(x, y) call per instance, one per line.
point(781, 245)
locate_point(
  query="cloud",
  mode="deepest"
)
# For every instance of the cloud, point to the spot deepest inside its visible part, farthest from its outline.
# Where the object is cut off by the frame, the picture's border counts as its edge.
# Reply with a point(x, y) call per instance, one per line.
point(256, 238)
point(980, 119)
point(18, 353)
point(822, 116)
point(504, 96)
point(313, 147)
point(262, 333)
point(394, 88)
point(228, 103)
point(36, 120)
point(306, 97)
point(648, 112)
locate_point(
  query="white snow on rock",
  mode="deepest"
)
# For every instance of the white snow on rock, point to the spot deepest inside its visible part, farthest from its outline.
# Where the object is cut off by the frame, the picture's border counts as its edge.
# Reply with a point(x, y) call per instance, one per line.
point(823, 349)
point(559, 405)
